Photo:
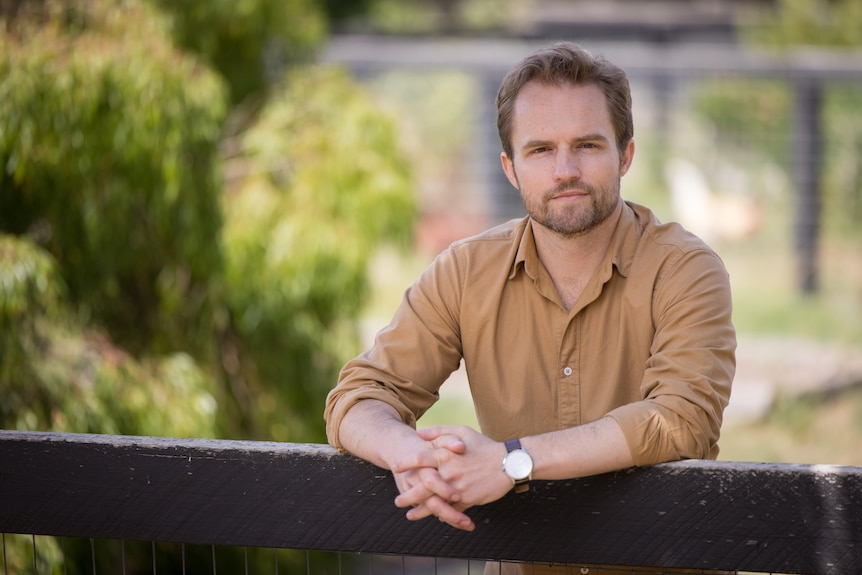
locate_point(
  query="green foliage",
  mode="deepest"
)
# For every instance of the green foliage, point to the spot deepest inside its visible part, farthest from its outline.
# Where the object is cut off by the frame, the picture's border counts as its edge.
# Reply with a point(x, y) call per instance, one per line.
point(810, 23)
point(29, 289)
point(56, 376)
point(247, 41)
point(125, 305)
point(341, 10)
point(18, 554)
point(837, 24)
point(842, 181)
point(324, 182)
point(749, 119)
point(110, 144)
point(29, 285)
point(108, 151)
point(446, 16)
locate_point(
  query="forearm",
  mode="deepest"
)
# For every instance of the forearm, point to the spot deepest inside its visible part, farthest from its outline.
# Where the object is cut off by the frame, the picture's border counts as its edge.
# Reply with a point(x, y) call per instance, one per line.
point(372, 429)
point(363, 426)
point(590, 449)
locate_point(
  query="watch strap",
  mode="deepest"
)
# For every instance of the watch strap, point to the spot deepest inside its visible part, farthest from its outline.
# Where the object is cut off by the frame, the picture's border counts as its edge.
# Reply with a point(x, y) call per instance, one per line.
point(521, 485)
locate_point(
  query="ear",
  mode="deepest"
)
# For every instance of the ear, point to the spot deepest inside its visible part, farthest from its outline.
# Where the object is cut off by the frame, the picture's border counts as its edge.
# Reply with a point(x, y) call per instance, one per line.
point(627, 157)
point(509, 168)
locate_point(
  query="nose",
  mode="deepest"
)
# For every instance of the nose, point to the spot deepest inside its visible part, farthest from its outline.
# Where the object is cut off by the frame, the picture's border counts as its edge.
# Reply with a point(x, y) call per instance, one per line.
point(566, 165)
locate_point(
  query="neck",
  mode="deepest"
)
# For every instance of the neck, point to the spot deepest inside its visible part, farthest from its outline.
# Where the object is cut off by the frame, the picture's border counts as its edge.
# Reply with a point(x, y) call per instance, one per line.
point(585, 246)
point(572, 260)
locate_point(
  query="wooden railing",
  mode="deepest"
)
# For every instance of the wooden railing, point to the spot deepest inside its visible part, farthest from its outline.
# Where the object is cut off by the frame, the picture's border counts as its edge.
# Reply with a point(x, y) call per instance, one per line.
point(692, 514)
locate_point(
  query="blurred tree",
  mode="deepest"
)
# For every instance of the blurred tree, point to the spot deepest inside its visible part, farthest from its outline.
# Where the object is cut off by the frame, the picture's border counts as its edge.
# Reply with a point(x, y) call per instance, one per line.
point(55, 375)
point(109, 149)
point(249, 42)
point(338, 11)
point(446, 16)
point(126, 306)
point(810, 23)
point(321, 181)
point(837, 24)
point(748, 119)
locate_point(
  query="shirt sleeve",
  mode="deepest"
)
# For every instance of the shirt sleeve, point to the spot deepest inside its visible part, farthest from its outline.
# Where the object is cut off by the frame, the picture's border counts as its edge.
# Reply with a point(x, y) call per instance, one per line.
point(687, 381)
point(410, 358)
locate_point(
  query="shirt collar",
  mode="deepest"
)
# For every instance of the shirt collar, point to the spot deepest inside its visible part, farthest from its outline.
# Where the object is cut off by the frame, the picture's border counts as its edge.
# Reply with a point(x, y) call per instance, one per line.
point(526, 256)
point(624, 244)
point(621, 253)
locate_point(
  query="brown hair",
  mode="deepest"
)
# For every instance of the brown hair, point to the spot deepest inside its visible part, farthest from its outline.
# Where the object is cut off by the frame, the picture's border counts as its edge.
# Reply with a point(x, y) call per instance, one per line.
point(567, 63)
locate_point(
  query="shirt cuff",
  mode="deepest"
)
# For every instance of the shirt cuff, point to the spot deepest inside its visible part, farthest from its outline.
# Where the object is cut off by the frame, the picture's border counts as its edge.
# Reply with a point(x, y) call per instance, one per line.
point(339, 403)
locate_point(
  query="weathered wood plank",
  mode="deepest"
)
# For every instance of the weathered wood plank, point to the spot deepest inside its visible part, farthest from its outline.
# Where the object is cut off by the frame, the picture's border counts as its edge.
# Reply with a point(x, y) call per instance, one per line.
point(694, 514)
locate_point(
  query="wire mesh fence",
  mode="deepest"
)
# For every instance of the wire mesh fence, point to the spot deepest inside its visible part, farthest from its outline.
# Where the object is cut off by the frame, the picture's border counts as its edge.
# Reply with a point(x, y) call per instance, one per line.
point(42, 555)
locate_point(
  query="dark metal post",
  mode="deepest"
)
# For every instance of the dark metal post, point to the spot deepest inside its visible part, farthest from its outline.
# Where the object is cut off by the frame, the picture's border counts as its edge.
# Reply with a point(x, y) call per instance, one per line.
point(505, 200)
point(807, 159)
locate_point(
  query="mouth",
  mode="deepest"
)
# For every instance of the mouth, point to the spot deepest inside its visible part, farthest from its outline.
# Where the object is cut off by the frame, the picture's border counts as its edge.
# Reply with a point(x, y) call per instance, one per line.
point(570, 194)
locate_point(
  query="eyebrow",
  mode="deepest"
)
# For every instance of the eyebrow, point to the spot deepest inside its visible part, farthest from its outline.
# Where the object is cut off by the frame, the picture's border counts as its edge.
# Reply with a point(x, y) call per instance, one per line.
point(595, 137)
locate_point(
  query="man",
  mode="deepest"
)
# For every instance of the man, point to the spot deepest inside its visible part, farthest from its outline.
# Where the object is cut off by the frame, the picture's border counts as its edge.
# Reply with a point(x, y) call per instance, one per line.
point(595, 336)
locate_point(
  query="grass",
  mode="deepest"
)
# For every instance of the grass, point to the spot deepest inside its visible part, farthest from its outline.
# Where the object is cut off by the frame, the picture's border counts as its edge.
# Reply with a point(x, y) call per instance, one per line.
point(767, 301)
point(801, 430)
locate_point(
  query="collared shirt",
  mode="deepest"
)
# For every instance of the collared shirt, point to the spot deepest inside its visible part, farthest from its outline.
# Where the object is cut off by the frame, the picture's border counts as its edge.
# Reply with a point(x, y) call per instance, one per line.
point(649, 342)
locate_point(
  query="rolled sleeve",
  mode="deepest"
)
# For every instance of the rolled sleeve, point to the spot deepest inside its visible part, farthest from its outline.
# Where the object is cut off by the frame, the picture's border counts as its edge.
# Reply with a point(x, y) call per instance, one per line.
point(340, 400)
point(687, 383)
point(411, 357)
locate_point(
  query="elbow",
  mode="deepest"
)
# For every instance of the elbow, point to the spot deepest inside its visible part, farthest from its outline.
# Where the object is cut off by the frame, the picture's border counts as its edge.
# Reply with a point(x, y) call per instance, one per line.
point(659, 436)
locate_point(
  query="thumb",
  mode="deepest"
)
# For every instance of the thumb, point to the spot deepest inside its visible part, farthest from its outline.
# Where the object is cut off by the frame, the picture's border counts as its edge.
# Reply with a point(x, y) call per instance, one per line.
point(443, 438)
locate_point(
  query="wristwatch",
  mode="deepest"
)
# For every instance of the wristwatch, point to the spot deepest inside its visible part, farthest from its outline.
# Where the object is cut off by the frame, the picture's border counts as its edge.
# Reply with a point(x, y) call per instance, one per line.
point(518, 465)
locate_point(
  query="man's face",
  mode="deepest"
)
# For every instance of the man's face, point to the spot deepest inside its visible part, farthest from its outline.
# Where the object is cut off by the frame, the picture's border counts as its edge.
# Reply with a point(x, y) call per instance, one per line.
point(565, 163)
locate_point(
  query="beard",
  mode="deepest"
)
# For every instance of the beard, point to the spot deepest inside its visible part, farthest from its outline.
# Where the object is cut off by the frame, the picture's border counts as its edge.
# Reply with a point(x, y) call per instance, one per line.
point(573, 220)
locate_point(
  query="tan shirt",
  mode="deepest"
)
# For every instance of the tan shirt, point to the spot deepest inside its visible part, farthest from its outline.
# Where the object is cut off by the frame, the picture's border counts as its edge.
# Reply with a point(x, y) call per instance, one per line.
point(650, 341)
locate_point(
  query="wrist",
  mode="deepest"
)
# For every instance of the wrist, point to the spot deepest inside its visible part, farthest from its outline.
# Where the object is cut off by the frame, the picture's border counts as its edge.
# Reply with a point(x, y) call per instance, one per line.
point(518, 465)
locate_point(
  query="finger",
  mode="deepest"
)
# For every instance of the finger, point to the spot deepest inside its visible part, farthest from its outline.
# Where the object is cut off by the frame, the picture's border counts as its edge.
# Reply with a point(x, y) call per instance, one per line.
point(433, 457)
point(416, 461)
point(413, 497)
point(451, 442)
point(445, 436)
point(444, 511)
point(436, 431)
point(426, 483)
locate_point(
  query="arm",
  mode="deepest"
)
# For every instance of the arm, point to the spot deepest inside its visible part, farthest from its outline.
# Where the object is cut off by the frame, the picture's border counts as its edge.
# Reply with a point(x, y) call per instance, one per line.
point(382, 393)
point(590, 449)
point(687, 381)
point(476, 472)
point(369, 420)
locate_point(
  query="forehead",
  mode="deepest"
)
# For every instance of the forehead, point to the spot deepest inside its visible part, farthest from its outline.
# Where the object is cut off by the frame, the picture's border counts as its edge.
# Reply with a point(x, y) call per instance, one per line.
point(560, 110)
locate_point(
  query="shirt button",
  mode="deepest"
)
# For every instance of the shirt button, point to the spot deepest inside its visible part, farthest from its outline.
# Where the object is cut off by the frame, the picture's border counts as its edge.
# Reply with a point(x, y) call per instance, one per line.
point(567, 371)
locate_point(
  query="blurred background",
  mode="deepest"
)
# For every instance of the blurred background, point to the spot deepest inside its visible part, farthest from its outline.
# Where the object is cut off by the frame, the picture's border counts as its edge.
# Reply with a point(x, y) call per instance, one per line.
point(207, 206)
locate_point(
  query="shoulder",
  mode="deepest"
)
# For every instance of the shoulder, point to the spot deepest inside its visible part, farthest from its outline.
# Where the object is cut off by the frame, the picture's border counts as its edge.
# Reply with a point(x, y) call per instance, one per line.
point(500, 235)
point(666, 254)
point(478, 260)
point(495, 246)
point(669, 236)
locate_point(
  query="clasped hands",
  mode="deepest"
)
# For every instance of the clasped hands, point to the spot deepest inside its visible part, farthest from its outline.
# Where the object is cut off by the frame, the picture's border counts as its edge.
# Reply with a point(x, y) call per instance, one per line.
point(451, 469)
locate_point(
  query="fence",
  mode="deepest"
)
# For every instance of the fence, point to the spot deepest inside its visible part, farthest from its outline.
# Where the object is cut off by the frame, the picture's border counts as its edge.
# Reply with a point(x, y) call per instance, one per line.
point(692, 514)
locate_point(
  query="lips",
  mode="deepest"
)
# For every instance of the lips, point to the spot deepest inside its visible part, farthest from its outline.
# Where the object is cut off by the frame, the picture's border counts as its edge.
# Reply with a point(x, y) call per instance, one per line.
point(570, 194)
point(570, 189)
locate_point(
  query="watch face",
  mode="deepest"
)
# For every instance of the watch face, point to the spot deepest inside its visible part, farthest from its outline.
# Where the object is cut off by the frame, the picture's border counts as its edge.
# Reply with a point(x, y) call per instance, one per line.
point(518, 464)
